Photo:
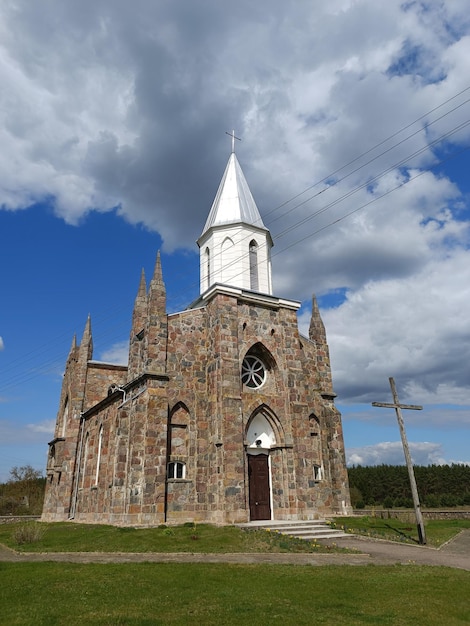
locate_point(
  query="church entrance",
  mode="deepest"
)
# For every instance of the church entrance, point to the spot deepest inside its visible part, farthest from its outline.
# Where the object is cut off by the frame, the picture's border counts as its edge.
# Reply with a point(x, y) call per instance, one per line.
point(259, 487)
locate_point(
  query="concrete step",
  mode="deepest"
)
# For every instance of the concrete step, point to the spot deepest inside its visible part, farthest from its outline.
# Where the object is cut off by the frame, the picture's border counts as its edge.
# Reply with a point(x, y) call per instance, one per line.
point(308, 530)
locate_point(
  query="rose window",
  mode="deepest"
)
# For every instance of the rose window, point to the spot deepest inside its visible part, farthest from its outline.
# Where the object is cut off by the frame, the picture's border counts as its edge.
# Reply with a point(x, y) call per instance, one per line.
point(253, 372)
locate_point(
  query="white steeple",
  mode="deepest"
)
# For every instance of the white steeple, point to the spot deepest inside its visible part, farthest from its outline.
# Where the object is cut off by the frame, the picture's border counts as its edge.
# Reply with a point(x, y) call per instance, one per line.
point(235, 246)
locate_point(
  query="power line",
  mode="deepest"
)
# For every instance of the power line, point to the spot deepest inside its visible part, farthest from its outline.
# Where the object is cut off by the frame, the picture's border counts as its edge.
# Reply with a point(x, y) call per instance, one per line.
point(54, 362)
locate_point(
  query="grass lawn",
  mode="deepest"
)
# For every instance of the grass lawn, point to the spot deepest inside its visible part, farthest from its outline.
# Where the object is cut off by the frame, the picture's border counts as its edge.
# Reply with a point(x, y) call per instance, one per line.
point(437, 531)
point(173, 593)
point(70, 537)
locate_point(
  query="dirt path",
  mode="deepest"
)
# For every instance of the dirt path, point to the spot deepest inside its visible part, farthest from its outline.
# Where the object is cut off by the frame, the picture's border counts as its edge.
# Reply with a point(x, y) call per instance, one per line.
point(455, 553)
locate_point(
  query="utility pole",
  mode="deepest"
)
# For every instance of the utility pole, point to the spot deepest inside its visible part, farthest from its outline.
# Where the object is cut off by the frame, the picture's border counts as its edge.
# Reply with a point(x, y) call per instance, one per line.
point(414, 490)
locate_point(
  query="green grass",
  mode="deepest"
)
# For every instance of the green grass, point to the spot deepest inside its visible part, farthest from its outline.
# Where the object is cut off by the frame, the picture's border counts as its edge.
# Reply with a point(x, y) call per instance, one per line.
point(174, 593)
point(437, 531)
point(70, 537)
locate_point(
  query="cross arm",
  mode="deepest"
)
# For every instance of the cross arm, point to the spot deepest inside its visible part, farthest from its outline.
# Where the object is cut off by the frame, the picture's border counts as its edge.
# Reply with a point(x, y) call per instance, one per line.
point(412, 407)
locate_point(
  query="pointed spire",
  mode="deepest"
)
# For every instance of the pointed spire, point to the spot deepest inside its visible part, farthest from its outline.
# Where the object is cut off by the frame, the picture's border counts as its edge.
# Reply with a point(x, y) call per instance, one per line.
point(139, 313)
point(157, 278)
point(157, 324)
point(142, 292)
point(234, 202)
point(74, 344)
point(86, 344)
point(157, 292)
point(317, 331)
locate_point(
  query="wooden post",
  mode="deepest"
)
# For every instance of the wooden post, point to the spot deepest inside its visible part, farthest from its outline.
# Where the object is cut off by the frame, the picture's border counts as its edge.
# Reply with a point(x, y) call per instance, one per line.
point(414, 489)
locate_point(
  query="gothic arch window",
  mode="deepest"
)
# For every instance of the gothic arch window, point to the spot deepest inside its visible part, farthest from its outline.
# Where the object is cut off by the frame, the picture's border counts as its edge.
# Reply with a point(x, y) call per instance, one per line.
point(178, 443)
point(253, 372)
point(260, 433)
point(228, 260)
point(314, 425)
point(85, 458)
point(253, 254)
point(98, 458)
point(256, 365)
point(264, 430)
point(65, 415)
point(315, 431)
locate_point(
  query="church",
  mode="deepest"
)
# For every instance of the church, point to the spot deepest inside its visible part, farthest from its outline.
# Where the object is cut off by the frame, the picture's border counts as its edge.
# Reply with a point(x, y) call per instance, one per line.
point(224, 414)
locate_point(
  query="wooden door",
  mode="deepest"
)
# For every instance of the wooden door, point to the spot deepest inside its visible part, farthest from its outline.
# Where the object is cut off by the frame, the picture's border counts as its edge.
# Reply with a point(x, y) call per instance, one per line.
point(258, 472)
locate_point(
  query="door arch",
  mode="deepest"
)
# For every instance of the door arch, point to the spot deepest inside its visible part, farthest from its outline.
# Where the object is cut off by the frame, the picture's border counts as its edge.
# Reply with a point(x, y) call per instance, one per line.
point(260, 438)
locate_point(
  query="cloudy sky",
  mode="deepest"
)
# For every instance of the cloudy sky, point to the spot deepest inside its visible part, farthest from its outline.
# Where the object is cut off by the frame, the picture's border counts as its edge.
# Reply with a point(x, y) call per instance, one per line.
point(355, 125)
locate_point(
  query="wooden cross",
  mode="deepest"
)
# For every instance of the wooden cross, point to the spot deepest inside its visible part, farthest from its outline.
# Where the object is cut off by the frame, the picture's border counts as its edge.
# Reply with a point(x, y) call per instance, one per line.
point(414, 489)
point(232, 135)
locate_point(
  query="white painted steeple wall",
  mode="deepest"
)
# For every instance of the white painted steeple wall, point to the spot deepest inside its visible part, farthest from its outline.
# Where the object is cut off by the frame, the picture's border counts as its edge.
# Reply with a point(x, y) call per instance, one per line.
point(235, 246)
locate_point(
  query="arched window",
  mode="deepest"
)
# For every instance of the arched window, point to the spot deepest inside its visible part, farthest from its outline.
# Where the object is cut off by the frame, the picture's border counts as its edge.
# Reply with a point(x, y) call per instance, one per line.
point(315, 431)
point(314, 425)
point(179, 431)
point(208, 267)
point(98, 459)
point(176, 469)
point(85, 458)
point(260, 433)
point(65, 416)
point(256, 365)
point(253, 252)
point(253, 372)
point(228, 261)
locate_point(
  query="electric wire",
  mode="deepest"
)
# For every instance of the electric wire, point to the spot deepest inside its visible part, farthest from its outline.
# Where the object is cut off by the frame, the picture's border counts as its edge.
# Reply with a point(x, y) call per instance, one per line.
point(52, 364)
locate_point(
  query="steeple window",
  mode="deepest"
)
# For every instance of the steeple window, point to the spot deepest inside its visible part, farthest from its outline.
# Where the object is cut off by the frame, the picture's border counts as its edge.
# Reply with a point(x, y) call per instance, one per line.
point(208, 267)
point(253, 252)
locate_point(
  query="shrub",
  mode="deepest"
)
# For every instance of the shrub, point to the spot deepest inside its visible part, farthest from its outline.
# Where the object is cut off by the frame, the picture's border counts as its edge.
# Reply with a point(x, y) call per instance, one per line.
point(360, 504)
point(29, 532)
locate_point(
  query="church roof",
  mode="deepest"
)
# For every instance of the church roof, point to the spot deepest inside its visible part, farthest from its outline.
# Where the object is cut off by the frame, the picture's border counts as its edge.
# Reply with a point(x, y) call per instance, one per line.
point(233, 202)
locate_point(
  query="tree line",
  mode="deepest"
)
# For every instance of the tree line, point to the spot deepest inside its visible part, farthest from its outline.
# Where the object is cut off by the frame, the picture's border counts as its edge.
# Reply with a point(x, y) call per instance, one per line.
point(379, 485)
point(23, 493)
point(389, 485)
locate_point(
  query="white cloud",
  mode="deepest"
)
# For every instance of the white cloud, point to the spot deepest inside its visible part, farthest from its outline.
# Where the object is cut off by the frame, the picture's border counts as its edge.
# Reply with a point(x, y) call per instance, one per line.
point(117, 353)
point(2, 345)
point(18, 434)
point(109, 105)
point(413, 328)
point(47, 427)
point(391, 453)
point(104, 106)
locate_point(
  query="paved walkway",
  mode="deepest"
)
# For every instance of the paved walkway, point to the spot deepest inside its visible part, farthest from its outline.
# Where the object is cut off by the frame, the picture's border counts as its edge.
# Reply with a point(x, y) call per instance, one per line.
point(455, 553)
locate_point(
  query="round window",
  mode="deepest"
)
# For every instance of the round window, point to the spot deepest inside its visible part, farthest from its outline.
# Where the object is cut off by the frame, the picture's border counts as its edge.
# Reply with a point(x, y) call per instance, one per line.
point(253, 372)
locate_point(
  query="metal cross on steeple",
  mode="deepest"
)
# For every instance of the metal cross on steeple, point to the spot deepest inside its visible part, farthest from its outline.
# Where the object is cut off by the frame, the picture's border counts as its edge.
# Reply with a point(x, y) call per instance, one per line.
point(414, 490)
point(232, 135)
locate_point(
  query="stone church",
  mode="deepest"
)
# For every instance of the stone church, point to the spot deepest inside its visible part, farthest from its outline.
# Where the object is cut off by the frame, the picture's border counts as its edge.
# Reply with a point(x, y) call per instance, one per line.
point(225, 412)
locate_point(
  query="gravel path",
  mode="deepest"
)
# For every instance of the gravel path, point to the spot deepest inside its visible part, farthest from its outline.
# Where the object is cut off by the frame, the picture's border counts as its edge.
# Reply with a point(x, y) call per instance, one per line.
point(456, 553)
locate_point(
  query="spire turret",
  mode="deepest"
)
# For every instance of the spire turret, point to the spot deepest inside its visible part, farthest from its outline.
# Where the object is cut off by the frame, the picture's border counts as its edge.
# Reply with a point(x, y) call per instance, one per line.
point(316, 330)
point(86, 344)
point(139, 322)
point(157, 321)
point(317, 334)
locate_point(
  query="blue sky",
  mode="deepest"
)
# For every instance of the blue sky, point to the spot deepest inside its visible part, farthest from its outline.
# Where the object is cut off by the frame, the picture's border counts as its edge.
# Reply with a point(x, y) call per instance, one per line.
point(355, 144)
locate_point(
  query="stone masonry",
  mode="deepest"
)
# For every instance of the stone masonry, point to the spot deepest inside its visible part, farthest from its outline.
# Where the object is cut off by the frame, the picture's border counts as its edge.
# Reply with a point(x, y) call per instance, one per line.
point(170, 437)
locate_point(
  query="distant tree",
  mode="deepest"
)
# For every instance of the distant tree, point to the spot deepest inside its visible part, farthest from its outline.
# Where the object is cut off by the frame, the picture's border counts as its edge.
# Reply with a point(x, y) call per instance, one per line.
point(438, 485)
point(24, 472)
point(23, 493)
